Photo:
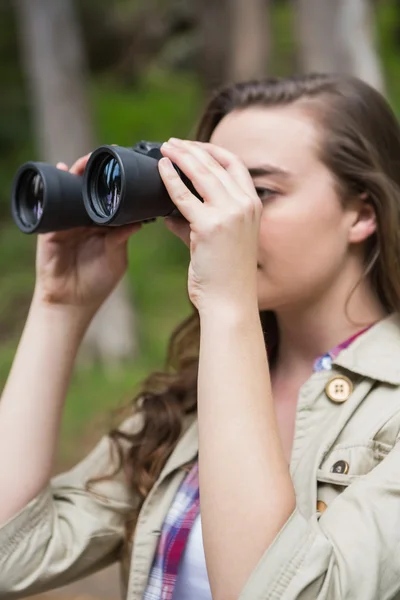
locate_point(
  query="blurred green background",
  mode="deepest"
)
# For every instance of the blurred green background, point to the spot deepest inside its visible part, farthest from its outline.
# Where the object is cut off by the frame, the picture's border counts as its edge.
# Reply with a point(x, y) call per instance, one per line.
point(146, 70)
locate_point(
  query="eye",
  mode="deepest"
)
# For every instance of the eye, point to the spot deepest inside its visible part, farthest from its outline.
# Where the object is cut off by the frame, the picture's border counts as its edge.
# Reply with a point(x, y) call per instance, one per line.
point(265, 193)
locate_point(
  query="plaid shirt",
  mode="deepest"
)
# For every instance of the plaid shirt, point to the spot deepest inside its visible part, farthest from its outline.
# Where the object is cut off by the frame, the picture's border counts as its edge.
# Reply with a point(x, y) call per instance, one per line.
point(177, 525)
point(186, 507)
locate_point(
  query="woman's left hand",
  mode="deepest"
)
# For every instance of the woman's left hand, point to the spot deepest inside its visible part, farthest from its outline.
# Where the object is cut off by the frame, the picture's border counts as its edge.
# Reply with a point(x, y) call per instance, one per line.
point(224, 228)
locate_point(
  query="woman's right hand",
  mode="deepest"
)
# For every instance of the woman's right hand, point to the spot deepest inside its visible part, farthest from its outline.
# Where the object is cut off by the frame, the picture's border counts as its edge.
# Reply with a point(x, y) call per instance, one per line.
point(80, 267)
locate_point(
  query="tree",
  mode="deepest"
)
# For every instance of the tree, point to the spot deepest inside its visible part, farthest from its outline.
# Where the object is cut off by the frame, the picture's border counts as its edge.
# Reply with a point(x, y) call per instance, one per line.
point(338, 36)
point(235, 40)
point(214, 46)
point(53, 56)
point(249, 39)
point(356, 34)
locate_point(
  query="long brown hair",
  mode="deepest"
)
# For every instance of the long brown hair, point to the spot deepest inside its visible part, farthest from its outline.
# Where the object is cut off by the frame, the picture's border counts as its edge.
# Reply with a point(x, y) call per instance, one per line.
point(360, 144)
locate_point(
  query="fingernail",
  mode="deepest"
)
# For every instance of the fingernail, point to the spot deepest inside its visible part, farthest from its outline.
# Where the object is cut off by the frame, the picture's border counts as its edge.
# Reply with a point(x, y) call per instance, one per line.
point(167, 146)
point(175, 141)
point(166, 164)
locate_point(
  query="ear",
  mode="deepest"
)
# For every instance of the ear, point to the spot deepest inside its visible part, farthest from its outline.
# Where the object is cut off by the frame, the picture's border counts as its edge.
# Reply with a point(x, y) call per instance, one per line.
point(364, 223)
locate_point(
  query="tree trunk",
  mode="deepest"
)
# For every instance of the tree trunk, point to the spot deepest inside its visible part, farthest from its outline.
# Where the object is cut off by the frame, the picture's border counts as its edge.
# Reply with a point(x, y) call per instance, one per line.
point(356, 35)
point(110, 340)
point(54, 59)
point(338, 36)
point(214, 42)
point(318, 46)
point(235, 40)
point(249, 39)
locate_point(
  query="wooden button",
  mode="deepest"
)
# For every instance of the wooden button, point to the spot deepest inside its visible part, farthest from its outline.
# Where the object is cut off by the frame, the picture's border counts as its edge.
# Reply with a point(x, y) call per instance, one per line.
point(339, 389)
point(341, 466)
point(321, 506)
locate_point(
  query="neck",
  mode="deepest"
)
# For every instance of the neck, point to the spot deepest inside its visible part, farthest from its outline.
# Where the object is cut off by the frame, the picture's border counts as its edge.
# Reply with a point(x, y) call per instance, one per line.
point(308, 333)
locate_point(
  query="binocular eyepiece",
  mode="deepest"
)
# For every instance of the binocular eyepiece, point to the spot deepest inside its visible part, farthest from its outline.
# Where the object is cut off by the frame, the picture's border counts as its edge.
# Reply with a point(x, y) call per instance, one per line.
point(119, 186)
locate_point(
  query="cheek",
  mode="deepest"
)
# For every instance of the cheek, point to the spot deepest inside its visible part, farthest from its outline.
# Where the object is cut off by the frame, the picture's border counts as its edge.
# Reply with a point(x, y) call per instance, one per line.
point(300, 235)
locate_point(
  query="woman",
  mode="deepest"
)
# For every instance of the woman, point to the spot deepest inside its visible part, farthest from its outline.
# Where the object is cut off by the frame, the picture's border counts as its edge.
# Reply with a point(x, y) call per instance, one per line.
point(295, 456)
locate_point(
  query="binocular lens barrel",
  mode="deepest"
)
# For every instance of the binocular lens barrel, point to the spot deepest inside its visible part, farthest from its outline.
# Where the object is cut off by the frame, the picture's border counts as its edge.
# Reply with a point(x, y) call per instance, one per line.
point(122, 186)
point(109, 187)
point(45, 199)
point(31, 194)
point(119, 186)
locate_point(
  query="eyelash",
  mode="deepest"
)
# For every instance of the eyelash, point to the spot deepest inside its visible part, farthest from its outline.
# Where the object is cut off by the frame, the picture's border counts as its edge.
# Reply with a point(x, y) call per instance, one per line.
point(265, 193)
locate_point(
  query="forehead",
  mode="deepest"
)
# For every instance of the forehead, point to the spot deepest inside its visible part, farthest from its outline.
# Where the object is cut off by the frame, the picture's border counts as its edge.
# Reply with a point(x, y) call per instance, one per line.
point(283, 136)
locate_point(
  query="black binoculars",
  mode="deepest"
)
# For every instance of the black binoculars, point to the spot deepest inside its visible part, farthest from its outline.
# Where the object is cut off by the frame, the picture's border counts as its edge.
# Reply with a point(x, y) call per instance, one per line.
point(119, 186)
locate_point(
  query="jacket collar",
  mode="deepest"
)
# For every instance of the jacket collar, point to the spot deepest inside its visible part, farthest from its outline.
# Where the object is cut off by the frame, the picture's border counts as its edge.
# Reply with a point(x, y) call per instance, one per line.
point(376, 353)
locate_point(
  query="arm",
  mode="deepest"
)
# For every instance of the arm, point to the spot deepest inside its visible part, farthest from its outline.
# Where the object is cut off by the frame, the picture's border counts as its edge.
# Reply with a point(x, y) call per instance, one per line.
point(67, 531)
point(246, 490)
point(51, 531)
point(76, 270)
point(32, 403)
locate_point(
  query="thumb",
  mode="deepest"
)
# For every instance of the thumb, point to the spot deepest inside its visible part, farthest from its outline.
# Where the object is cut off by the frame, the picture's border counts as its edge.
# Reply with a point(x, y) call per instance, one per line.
point(179, 227)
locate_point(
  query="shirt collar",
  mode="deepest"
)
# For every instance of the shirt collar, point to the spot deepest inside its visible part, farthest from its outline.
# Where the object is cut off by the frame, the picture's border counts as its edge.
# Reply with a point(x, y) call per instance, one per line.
point(376, 353)
point(325, 361)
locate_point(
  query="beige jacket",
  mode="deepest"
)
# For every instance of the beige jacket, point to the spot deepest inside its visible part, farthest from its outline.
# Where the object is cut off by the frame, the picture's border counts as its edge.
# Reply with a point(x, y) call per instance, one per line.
point(342, 542)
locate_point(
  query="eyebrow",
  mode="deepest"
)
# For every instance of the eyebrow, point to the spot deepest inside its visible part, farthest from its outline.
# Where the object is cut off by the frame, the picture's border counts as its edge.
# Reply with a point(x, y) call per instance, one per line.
point(268, 170)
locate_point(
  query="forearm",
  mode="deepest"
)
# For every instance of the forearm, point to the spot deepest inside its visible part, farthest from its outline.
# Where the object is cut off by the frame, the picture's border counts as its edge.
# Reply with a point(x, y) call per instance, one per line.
point(246, 489)
point(32, 403)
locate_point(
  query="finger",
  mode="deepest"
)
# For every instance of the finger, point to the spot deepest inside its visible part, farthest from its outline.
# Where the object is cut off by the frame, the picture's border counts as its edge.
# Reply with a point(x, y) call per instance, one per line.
point(210, 163)
point(179, 227)
point(232, 164)
point(62, 166)
point(119, 235)
point(188, 205)
point(206, 183)
point(76, 233)
point(79, 166)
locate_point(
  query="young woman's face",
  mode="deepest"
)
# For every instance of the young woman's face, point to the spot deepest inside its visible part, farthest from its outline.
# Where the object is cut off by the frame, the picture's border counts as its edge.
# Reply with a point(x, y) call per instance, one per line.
point(305, 230)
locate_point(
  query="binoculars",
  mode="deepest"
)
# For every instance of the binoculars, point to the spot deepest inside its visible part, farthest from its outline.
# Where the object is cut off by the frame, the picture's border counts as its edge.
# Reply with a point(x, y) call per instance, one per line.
point(119, 186)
